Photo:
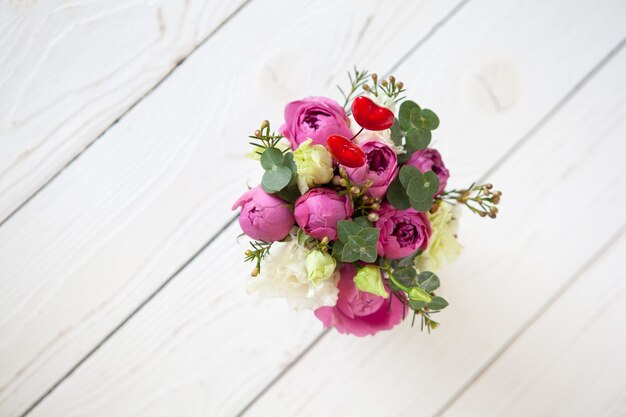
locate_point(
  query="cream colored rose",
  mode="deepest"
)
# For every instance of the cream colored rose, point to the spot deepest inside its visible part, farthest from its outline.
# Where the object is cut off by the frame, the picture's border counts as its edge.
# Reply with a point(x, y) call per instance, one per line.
point(314, 166)
point(443, 246)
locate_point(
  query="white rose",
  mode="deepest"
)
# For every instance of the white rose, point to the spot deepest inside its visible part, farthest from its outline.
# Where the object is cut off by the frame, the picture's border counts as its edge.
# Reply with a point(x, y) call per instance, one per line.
point(443, 246)
point(284, 274)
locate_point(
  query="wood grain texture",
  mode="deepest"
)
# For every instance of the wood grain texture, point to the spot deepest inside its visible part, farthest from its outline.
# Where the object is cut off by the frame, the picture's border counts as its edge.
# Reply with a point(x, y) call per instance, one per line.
point(69, 69)
point(554, 221)
point(570, 362)
point(489, 245)
point(147, 196)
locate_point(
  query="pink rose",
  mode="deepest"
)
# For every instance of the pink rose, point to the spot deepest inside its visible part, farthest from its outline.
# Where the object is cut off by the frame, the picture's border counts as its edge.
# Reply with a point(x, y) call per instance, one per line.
point(318, 211)
point(430, 160)
point(357, 312)
point(402, 232)
point(381, 166)
point(315, 118)
point(264, 216)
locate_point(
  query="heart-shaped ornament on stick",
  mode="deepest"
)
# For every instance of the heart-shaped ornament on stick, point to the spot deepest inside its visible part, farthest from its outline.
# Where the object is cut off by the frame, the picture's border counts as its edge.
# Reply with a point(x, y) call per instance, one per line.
point(371, 116)
point(345, 152)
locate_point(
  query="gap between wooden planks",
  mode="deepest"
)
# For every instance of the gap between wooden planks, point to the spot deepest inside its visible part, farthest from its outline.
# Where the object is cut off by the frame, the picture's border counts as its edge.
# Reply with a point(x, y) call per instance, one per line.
point(602, 14)
point(71, 70)
point(109, 231)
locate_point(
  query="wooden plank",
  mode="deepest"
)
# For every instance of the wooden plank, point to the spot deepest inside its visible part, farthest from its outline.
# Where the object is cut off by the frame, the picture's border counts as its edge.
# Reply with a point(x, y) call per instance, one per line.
point(559, 210)
point(69, 69)
point(122, 351)
point(102, 237)
point(571, 360)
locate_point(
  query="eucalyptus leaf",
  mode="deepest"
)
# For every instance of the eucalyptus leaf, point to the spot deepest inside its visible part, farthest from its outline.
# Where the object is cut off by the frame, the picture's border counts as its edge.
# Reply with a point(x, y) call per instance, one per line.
point(407, 276)
point(368, 254)
point(417, 138)
point(404, 114)
point(407, 172)
point(438, 303)
point(350, 253)
point(347, 228)
point(276, 179)
point(428, 119)
point(417, 305)
point(362, 221)
point(356, 242)
point(271, 159)
point(428, 281)
point(396, 133)
point(370, 235)
point(396, 195)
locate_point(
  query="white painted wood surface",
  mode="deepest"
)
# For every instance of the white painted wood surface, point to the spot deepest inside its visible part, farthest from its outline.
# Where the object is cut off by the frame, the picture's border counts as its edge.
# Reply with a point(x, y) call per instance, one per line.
point(68, 70)
point(83, 254)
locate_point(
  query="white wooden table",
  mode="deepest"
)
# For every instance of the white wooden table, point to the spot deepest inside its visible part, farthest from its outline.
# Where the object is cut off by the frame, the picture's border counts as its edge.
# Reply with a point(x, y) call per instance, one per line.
point(123, 130)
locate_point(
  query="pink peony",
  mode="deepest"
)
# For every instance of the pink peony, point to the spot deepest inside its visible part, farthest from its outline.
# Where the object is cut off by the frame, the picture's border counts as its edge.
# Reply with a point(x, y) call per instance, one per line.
point(318, 211)
point(430, 160)
point(315, 118)
point(381, 167)
point(357, 312)
point(402, 232)
point(264, 216)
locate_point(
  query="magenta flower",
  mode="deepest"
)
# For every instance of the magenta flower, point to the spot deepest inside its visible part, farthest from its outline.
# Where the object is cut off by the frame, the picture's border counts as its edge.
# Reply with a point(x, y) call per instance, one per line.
point(318, 211)
point(357, 312)
point(430, 160)
point(264, 216)
point(315, 118)
point(402, 232)
point(381, 166)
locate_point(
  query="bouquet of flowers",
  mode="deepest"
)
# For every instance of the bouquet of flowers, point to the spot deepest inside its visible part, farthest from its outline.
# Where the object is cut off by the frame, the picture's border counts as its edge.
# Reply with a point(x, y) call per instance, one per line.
point(352, 218)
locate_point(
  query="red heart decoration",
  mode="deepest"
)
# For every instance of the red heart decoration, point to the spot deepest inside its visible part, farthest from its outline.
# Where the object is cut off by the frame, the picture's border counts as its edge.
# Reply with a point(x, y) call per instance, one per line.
point(371, 116)
point(345, 152)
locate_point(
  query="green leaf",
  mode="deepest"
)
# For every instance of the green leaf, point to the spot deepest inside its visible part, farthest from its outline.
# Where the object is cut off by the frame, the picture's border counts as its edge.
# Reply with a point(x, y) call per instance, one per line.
point(396, 133)
point(417, 305)
point(415, 116)
point(404, 114)
point(276, 179)
point(357, 242)
point(347, 228)
point(438, 303)
point(350, 253)
point(337, 249)
point(290, 192)
point(417, 138)
point(428, 281)
point(396, 195)
point(271, 159)
point(421, 190)
point(368, 254)
point(404, 157)
point(370, 235)
point(362, 221)
point(428, 119)
point(406, 276)
point(409, 260)
point(407, 172)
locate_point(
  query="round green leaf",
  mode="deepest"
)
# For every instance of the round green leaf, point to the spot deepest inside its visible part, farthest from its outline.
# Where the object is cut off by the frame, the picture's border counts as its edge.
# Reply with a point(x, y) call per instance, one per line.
point(276, 179)
point(396, 195)
point(417, 138)
point(431, 180)
point(404, 114)
point(407, 172)
point(271, 159)
point(428, 119)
